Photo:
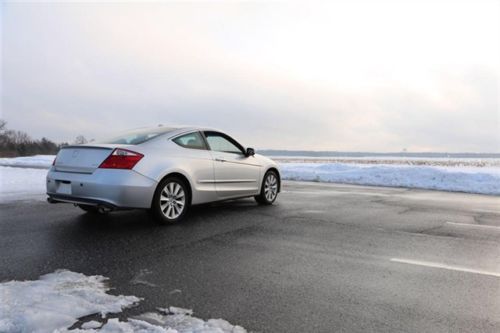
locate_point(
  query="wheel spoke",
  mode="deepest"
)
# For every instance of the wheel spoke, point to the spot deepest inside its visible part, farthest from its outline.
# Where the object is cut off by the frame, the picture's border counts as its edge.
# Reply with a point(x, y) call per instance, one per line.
point(177, 188)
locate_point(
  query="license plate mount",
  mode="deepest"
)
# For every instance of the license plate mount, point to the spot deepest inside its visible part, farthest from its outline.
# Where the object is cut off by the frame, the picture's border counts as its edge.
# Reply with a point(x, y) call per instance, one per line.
point(64, 188)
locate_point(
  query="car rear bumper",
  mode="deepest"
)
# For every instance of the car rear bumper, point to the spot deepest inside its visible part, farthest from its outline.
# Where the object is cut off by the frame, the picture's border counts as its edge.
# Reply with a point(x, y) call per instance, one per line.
point(108, 187)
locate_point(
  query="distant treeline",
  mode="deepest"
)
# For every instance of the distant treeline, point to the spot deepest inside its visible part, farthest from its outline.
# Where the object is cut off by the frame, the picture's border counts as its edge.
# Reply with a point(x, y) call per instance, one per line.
point(17, 143)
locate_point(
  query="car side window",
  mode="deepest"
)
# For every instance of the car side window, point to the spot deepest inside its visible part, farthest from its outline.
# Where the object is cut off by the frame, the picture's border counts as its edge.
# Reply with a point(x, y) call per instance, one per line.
point(192, 140)
point(222, 143)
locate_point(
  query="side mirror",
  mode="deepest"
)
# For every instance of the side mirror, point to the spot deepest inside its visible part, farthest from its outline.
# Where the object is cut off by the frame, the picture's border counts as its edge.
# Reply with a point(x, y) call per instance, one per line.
point(250, 152)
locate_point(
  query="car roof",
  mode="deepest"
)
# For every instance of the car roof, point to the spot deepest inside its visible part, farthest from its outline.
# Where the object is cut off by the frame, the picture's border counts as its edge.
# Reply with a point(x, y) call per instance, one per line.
point(175, 130)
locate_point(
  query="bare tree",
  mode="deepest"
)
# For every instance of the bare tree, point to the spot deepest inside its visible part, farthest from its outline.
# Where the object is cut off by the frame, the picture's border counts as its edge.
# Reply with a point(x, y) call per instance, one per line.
point(19, 143)
point(18, 137)
point(80, 140)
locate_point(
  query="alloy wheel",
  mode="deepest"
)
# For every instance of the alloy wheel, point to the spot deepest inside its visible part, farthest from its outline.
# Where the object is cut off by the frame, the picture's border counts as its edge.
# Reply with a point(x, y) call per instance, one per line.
point(271, 187)
point(172, 200)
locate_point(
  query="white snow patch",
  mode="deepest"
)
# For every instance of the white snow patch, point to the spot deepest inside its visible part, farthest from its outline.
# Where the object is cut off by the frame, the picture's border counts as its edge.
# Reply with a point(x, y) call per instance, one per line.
point(185, 323)
point(170, 323)
point(176, 310)
point(457, 179)
point(91, 324)
point(22, 184)
point(54, 303)
point(36, 161)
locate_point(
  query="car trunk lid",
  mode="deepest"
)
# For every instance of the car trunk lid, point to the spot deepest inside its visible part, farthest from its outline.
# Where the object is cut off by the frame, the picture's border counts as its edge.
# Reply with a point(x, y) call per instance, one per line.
point(82, 158)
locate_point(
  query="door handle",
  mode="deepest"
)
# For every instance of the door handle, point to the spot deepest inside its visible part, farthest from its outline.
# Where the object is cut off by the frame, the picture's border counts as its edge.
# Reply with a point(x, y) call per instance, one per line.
point(220, 160)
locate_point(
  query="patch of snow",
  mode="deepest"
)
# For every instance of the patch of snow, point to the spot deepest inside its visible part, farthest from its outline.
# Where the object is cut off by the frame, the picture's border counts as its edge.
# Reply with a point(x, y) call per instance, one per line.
point(36, 161)
point(22, 184)
point(185, 323)
point(91, 324)
point(176, 310)
point(115, 325)
point(54, 303)
point(457, 179)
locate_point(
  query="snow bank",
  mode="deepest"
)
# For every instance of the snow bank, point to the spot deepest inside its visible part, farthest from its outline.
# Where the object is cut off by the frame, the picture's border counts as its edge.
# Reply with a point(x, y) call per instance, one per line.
point(429, 161)
point(22, 184)
point(23, 178)
point(54, 303)
point(37, 161)
point(458, 179)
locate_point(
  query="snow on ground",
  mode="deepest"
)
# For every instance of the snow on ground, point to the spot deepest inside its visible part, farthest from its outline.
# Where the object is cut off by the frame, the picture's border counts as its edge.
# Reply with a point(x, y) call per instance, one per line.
point(429, 161)
point(22, 184)
point(456, 179)
point(37, 161)
point(55, 301)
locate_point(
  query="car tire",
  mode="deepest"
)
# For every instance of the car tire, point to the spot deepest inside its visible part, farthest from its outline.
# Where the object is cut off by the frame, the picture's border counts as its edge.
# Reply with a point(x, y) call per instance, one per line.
point(269, 188)
point(171, 200)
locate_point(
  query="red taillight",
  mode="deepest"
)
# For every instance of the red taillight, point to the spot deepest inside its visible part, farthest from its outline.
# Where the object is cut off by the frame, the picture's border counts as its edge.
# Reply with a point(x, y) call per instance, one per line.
point(121, 159)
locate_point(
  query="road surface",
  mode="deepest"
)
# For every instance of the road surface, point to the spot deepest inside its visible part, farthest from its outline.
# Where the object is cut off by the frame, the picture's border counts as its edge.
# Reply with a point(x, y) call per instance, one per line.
point(324, 258)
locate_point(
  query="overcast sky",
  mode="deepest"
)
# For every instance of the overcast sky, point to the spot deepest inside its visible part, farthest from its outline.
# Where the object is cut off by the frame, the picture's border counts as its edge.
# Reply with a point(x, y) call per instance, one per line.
point(348, 76)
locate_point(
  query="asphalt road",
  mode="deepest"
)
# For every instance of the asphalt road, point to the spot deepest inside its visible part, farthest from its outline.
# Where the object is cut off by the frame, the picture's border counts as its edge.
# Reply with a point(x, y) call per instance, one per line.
point(324, 258)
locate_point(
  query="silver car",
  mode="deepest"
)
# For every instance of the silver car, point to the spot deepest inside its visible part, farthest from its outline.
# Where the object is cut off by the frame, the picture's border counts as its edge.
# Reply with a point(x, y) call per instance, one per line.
point(164, 169)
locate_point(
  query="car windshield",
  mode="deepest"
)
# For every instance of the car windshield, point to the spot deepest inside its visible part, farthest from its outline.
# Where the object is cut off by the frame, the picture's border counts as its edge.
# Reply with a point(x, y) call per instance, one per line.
point(138, 136)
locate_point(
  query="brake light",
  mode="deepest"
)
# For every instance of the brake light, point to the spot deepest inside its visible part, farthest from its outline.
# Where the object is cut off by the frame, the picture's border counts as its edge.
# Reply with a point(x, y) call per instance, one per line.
point(121, 159)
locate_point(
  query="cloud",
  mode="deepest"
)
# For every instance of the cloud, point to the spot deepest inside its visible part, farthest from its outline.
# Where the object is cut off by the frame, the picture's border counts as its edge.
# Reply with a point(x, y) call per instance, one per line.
point(280, 75)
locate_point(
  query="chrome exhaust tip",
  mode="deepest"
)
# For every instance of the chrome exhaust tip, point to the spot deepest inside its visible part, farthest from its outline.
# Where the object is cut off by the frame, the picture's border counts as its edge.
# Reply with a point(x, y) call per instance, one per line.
point(103, 209)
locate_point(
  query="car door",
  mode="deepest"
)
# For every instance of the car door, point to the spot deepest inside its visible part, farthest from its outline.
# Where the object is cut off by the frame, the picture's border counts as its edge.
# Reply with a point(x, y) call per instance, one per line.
point(196, 160)
point(235, 174)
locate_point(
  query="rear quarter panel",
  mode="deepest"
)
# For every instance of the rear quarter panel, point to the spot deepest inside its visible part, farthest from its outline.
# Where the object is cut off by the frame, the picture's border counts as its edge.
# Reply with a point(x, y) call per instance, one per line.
point(164, 157)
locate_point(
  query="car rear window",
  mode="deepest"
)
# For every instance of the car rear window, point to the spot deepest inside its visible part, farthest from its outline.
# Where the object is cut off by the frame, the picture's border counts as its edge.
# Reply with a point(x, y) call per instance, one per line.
point(138, 136)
